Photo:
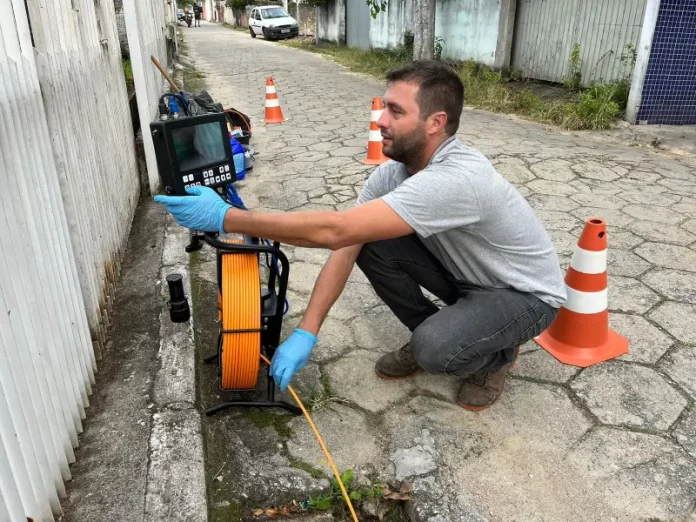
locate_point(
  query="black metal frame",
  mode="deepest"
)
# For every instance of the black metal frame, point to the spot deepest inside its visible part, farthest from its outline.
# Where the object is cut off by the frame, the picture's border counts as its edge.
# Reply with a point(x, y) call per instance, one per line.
point(272, 309)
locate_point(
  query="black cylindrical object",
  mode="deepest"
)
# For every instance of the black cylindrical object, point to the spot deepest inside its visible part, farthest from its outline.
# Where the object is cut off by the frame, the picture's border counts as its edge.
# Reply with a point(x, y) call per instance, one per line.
point(179, 311)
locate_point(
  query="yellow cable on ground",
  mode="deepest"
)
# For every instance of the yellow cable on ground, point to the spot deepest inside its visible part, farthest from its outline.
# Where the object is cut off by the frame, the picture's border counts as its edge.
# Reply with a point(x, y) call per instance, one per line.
point(323, 447)
point(241, 310)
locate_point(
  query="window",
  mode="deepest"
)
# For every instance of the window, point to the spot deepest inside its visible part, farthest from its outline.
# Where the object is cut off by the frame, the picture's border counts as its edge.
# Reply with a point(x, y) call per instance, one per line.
point(275, 12)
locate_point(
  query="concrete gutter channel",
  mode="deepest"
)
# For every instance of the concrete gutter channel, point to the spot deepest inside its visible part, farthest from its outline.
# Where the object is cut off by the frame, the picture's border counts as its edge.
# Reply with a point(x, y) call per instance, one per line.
point(141, 454)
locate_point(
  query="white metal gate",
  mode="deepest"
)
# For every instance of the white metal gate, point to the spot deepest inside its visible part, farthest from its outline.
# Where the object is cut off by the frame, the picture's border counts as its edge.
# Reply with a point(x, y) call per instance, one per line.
point(546, 31)
point(68, 190)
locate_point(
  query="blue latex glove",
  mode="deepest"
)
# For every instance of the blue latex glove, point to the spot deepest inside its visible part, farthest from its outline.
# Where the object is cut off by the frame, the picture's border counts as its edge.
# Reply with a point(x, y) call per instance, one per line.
point(292, 356)
point(203, 210)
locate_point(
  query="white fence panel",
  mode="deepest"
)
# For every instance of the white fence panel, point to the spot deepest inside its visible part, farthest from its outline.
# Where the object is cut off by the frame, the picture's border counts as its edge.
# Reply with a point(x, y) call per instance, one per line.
point(147, 25)
point(68, 190)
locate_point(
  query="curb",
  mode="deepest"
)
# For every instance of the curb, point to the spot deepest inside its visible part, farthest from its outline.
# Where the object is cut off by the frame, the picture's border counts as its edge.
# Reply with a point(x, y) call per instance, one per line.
point(176, 489)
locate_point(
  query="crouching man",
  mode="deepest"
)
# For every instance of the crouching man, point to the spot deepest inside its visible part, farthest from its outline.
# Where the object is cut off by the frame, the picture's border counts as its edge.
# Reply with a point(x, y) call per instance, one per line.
point(438, 216)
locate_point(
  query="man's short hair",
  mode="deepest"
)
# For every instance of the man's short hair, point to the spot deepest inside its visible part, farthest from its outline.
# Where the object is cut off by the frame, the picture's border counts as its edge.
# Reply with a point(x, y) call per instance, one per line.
point(439, 89)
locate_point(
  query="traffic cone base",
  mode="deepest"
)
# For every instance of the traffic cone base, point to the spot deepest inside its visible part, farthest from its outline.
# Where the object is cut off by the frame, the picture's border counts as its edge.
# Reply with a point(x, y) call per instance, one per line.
point(372, 161)
point(610, 346)
point(375, 156)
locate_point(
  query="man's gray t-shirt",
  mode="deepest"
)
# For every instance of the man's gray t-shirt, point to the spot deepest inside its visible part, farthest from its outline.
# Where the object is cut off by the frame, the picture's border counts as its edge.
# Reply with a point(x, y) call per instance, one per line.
point(473, 220)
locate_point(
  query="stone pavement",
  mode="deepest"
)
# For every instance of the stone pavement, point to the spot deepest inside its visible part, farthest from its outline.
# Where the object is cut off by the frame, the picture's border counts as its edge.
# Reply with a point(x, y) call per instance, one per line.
point(612, 442)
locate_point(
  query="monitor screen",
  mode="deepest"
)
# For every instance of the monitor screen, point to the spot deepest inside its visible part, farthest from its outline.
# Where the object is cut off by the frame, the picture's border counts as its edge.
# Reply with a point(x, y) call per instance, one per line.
point(199, 145)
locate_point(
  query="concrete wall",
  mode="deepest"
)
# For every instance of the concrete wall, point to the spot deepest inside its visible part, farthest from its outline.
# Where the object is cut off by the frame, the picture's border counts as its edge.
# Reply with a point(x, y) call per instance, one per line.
point(469, 28)
point(331, 22)
point(387, 30)
point(307, 18)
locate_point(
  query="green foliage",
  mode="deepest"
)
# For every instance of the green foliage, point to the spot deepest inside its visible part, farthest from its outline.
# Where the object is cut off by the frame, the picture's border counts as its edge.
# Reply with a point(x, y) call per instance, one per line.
point(128, 74)
point(237, 4)
point(628, 61)
point(377, 6)
point(574, 78)
point(334, 498)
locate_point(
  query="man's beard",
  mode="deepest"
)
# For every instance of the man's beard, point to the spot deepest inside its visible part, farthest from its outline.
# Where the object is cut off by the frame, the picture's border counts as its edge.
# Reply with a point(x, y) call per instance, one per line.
point(407, 148)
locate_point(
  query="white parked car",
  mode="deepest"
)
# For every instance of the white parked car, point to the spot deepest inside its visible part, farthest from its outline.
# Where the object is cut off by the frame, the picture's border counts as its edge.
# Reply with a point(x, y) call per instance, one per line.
point(272, 21)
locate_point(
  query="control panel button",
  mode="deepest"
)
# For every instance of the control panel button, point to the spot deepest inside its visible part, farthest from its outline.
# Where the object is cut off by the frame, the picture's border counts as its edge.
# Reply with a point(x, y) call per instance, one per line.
point(217, 179)
point(198, 183)
point(221, 170)
point(227, 168)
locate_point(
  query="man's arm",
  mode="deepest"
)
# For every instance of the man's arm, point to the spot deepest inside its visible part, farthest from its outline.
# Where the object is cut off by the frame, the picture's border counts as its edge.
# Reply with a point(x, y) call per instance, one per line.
point(372, 221)
point(328, 287)
point(295, 351)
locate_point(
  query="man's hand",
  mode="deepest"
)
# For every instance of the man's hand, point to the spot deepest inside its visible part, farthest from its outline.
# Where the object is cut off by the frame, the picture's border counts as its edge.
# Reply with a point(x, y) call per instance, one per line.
point(292, 356)
point(202, 210)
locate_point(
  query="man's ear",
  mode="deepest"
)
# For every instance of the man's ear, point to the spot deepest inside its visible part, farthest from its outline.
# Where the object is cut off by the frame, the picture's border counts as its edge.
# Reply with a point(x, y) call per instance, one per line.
point(437, 122)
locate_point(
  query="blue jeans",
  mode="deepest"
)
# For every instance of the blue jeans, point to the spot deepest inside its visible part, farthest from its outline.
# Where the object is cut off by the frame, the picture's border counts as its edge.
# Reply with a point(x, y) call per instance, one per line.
point(478, 328)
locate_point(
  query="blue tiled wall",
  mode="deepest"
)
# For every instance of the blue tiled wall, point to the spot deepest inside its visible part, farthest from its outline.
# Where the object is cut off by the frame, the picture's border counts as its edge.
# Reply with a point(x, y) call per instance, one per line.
point(669, 90)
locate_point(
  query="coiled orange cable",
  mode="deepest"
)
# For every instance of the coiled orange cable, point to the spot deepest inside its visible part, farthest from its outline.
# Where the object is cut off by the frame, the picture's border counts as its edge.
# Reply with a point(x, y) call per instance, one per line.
point(241, 310)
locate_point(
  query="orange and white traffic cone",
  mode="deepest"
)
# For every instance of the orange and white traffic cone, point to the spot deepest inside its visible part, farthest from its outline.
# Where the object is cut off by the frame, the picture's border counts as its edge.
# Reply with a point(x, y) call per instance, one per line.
point(273, 112)
point(580, 334)
point(375, 156)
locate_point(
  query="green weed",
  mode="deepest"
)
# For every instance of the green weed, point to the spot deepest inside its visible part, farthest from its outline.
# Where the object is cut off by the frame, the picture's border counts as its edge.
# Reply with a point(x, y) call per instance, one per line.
point(574, 78)
point(334, 498)
point(128, 74)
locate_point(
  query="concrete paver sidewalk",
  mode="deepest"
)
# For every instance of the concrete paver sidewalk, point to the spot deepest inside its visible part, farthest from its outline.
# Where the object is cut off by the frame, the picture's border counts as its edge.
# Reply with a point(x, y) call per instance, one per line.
point(612, 442)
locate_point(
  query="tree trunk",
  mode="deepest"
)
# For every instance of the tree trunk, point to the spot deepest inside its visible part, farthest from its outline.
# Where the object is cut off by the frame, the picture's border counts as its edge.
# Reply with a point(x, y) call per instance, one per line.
point(424, 29)
point(285, 5)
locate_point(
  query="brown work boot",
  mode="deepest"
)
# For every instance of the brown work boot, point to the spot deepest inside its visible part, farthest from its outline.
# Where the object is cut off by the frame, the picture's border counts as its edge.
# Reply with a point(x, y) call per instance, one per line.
point(481, 390)
point(398, 364)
